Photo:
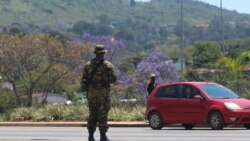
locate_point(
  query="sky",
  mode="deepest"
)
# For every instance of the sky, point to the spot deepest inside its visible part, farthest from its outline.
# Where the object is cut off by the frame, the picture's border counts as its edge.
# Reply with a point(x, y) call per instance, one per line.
point(242, 6)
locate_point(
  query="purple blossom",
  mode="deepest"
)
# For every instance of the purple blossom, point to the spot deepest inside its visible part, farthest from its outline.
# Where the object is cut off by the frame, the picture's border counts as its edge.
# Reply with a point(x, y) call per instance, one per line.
point(156, 62)
point(111, 44)
point(86, 36)
point(129, 80)
point(76, 40)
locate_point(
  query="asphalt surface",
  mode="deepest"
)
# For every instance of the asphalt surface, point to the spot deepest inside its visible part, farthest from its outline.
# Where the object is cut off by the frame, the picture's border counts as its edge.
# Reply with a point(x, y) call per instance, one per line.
point(71, 124)
point(124, 134)
point(65, 124)
point(29, 140)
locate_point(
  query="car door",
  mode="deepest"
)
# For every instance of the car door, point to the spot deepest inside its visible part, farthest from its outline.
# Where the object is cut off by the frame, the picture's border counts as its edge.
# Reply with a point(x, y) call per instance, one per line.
point(169, 102)
point(192, 110)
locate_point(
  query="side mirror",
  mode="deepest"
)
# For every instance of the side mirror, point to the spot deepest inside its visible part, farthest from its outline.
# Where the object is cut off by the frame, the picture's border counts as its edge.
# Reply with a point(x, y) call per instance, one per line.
point(198, 97)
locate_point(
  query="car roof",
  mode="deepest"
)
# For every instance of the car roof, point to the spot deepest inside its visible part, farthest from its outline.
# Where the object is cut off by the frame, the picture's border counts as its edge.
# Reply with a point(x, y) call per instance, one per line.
point(187, 82)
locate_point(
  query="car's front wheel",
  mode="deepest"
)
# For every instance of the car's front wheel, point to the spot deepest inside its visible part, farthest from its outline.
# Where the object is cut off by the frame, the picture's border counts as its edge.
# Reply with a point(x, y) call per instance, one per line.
point(216, 120)
point(155, 121)
point(247, 126)
point(188, 126)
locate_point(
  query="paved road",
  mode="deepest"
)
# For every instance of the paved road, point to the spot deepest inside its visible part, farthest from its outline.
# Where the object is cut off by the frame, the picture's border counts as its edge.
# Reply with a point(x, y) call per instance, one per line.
point(123, 134)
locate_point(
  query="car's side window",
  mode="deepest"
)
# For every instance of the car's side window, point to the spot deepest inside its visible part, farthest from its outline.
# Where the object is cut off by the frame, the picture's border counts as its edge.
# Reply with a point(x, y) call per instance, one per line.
point(188, 92)
point(171, 91)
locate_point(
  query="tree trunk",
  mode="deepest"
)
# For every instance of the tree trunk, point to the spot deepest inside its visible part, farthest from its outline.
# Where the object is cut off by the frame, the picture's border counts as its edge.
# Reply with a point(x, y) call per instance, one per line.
point(30, 95)
point(237, 85)
point(44, 100)
point(16, 93)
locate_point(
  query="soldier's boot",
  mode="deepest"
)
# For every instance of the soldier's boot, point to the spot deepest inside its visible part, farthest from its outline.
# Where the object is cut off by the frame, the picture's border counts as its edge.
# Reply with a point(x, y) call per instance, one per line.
point(104, 137)
point(91, 136)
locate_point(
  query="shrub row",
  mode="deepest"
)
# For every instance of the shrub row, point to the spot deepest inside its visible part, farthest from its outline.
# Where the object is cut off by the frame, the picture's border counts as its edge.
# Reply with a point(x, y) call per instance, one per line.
point(74, 112)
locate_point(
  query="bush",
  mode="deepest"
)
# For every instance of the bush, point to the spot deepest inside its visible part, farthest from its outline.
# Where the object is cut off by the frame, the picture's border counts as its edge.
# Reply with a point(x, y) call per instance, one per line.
point(74, 112)
point(6, 116)
point(22, 114)
point(78, 111)
point(51, 113)
point(241, 87)
point(135, 113)
point(247, 94)
point(7, 100)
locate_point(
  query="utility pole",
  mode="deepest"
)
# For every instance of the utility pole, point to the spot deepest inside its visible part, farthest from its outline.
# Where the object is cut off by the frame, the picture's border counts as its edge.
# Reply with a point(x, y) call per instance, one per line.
point(222, 28)
point(181, 58)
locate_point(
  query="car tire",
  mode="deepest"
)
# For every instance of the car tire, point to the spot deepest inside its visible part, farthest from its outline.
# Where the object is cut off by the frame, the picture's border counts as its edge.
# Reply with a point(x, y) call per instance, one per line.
point(216, 120)
point(155, 121)
point(188, 126)
point(247, 126)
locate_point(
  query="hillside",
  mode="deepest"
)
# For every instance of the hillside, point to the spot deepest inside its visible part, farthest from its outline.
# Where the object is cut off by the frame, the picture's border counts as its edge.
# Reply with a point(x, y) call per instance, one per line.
point(158, 18)
point(69, 12)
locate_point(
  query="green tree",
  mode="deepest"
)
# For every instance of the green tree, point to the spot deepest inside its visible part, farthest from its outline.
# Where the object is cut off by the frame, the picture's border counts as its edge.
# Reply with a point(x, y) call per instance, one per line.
point(82, 26)
point(236, 46)
point(7, 100)
point(174, 53)
point(27, 60)
point(193, 76)
point(235, 66)
point(205, 54)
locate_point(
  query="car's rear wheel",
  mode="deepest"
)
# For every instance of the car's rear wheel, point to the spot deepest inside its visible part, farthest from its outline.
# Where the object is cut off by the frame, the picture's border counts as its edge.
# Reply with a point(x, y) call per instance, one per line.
point(216, 120)
point(247, 126)
point(188, 126)
point(155, 121)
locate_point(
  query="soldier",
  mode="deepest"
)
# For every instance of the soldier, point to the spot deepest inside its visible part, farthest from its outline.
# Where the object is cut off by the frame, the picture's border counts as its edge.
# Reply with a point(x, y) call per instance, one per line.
point(151, 84)
point(97, 76)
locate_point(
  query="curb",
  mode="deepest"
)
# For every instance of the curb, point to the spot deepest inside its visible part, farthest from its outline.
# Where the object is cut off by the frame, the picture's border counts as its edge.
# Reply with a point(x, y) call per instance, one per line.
point(73, 124)
point(84, 124)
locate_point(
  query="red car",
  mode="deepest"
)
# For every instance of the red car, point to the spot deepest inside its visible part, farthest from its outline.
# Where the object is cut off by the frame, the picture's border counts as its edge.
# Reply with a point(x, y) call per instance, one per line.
point(191, 103)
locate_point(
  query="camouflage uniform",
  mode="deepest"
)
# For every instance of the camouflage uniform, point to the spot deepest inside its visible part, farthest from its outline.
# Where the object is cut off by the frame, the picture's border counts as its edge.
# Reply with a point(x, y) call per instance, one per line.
point(98, 89)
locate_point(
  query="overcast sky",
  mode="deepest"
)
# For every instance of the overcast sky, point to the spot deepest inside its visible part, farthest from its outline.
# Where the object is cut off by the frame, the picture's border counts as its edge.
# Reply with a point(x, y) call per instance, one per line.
point(242, 6)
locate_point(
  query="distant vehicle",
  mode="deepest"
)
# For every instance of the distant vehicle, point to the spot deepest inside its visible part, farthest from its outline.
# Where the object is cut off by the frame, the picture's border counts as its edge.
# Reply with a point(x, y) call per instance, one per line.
point(132, 100)
point(80, 99)
point(191, 103)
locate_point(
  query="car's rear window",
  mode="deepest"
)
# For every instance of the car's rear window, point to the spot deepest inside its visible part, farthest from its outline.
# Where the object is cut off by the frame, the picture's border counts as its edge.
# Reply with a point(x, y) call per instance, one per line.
point(217, 91)
point(171, 91)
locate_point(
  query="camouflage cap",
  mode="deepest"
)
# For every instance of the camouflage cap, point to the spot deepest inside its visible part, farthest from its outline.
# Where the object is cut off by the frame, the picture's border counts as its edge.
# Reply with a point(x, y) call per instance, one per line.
point(99, 49)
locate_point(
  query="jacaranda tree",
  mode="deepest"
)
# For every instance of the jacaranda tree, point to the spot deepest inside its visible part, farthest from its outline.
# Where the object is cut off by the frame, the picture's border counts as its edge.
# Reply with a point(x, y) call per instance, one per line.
point(156, 62)
point(111, 44)
point(114, 47)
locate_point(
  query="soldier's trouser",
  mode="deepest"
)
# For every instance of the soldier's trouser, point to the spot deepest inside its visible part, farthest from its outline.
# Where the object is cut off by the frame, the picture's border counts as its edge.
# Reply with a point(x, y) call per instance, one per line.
point(99, 106)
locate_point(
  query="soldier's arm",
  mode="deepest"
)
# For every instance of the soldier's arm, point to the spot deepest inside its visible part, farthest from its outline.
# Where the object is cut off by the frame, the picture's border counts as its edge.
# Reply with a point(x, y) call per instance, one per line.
point(112, 74)
point(84, 80)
